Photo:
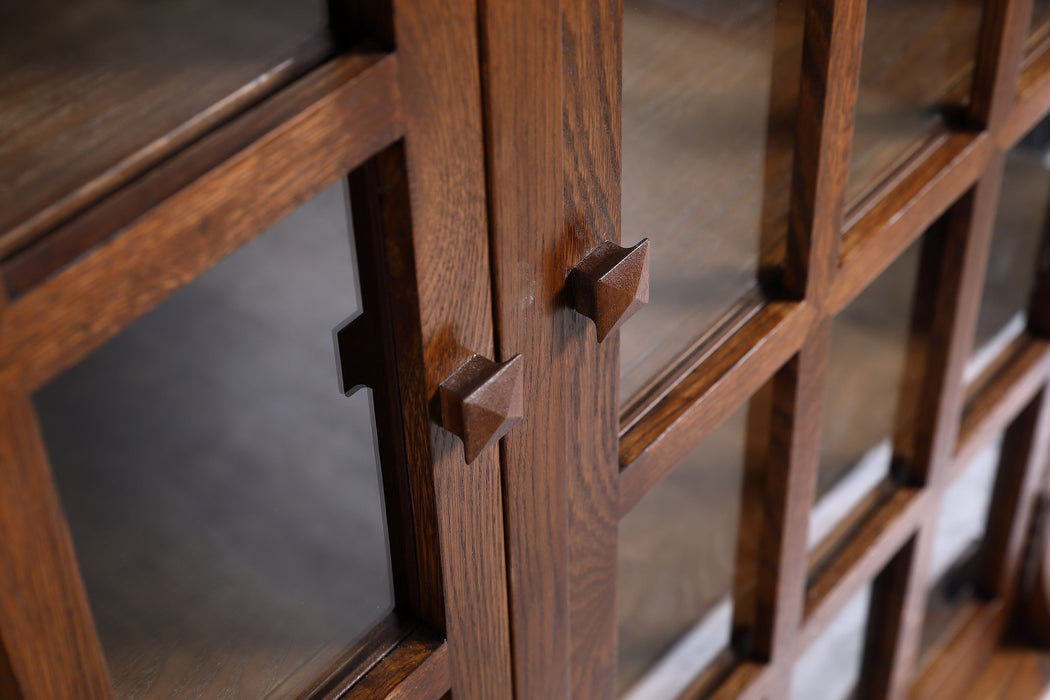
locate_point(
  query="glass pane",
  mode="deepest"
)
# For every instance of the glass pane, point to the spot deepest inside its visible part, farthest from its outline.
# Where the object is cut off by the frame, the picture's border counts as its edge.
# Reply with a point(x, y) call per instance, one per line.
point(89, 83)
point(830, 668)
point(1040, 23)
point(677, 551)
point(865, 375)
point(1023, 203)
point(213, 473)
point(706, 160)
point(917, 61)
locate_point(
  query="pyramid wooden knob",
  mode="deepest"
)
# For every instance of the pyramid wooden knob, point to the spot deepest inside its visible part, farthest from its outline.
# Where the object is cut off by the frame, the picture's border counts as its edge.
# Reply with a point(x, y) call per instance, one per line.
point(611, 284)
point(481, 401)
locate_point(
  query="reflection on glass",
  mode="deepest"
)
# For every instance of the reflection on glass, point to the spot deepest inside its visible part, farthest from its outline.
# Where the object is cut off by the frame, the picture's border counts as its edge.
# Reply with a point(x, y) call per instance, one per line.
point(917, 61)
point(830, 668)
point(89, 83)
point(222, 494)
point(677, 552)
point(865, 375)
point(1019, 221)
point(707, 136)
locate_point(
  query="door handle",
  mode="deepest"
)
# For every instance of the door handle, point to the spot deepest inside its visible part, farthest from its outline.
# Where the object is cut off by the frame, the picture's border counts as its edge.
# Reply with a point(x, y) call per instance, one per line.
point(610, 285)
point(481, 401)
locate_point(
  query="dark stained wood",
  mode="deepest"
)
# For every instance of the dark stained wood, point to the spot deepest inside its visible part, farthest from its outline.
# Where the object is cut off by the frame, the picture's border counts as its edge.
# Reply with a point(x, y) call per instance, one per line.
point(888, 224)
point(417, 669)
point(533, 249)
point(96, 92)
point(481, 402)
point(47, 637)
point(438, 262)
point(879, 538)
point(63, 319)
point(944, 322)
point(787, 499)
point(591, 157)
point(892, 643)
point(610, 285)
point(1001, 394)
point(999, 52)
point(834, 34)
point(1019, 476)
point(955, 666)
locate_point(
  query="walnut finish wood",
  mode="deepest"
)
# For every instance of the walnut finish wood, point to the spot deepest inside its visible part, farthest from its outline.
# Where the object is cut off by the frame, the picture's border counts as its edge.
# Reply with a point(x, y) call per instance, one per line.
point(533, 248)
point(592, 56)
point(787, 499)
point(417, 669)
point(481, 402)
point(433, 220)
point(610, 285)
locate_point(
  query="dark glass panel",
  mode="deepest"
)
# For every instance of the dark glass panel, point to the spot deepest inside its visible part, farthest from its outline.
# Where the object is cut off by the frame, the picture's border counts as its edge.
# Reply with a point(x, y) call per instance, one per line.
point(222, 494)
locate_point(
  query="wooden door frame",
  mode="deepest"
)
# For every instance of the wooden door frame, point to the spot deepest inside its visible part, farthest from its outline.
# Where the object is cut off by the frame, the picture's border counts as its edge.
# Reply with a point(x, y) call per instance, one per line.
point(552, 113)
point(406, 122)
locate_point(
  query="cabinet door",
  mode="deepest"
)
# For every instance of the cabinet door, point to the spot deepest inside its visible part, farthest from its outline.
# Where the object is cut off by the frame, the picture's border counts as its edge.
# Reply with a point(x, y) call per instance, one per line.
point(229, 465)
point(716, 492)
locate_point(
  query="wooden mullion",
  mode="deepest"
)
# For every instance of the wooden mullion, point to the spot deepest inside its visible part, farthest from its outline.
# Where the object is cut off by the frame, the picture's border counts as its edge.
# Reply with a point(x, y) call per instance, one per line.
point(833, 38)
point(948, 297)
point(1018, 477)
point(789, 488)
point(999, 52)
point(47, 637)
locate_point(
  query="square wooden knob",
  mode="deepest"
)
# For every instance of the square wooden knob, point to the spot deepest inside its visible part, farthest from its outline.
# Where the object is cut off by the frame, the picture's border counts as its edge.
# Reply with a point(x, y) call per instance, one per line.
point(611, 284)
point(481, 401)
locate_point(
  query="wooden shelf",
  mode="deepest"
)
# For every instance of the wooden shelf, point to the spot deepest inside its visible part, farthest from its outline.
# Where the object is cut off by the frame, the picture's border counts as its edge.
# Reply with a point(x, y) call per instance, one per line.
point(92, 93)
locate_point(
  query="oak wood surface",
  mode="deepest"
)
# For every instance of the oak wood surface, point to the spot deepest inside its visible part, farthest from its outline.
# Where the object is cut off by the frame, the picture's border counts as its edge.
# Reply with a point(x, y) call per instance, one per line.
point(592, 57)
point(441, 301)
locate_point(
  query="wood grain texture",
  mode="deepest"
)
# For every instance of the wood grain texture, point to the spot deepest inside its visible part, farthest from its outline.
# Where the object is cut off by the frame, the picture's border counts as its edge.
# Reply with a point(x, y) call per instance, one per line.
point(63, 319)
point(827, 104)
point(418, 669)
point(787, 498)
point(94, 93)
point(534, 247)
point(438, 261)
point(47, 637)
point(591, 63)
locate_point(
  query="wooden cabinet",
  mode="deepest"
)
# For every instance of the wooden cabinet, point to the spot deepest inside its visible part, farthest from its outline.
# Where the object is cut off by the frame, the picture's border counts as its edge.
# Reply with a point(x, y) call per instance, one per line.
point(589, 348)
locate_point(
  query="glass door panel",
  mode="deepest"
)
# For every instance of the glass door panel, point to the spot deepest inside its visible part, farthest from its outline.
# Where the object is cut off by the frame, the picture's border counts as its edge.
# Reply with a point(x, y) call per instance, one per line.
point(677, 563)
point(709, 95)
point(223, 496)
point(916, 67)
